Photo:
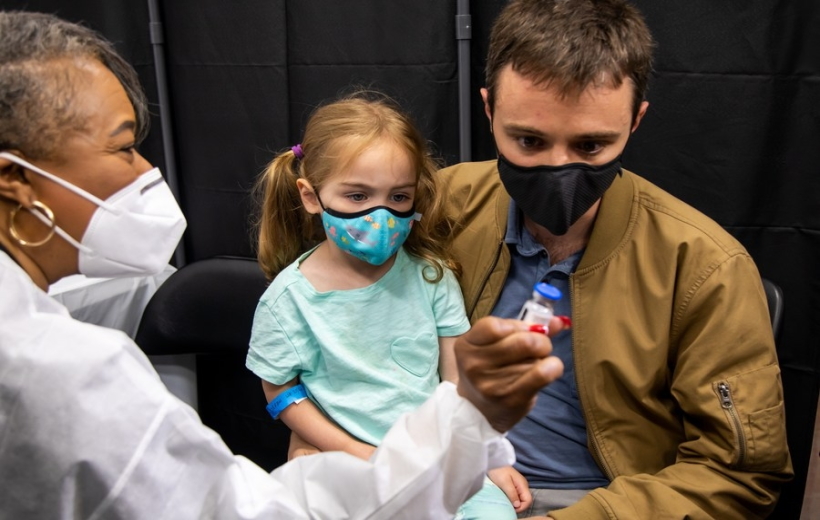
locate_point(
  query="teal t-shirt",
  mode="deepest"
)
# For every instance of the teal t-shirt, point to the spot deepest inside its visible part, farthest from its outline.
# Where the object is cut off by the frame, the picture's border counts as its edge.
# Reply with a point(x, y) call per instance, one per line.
point(365, 355)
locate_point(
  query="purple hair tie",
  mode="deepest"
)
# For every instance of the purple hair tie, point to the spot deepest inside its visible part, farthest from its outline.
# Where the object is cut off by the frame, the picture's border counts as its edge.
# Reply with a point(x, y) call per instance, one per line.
point(297, 151)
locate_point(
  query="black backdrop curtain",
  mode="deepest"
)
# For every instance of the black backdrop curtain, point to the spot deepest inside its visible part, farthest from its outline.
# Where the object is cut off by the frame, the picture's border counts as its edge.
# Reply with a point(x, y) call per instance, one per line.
point(733, 124)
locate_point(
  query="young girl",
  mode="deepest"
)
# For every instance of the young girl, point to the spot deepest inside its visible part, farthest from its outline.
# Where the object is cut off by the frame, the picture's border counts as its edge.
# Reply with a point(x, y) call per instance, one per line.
point(359, 329)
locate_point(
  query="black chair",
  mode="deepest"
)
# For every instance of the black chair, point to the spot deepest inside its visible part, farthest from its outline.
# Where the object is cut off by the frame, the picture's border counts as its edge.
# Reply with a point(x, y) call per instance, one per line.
point(206, 308)
point(774, 297)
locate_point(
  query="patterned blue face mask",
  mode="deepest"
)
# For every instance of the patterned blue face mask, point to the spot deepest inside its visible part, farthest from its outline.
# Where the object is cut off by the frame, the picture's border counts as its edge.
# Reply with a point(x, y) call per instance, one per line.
point(372, 235)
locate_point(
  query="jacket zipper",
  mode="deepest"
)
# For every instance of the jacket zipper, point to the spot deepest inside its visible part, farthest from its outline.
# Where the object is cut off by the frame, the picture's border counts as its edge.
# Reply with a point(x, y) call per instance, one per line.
point(596, 455)
point(728, 404)
point(484, 278)
point(592, 439)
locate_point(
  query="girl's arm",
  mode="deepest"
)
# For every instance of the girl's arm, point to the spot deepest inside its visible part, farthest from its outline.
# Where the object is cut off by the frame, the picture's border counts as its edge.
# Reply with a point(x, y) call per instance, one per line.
point(314, 427)
point(447, 369)
point(299, 448)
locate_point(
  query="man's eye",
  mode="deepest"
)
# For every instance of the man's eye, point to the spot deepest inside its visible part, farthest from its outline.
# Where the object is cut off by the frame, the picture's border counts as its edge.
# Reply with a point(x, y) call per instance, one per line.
point(529, 142)
point(589, 147)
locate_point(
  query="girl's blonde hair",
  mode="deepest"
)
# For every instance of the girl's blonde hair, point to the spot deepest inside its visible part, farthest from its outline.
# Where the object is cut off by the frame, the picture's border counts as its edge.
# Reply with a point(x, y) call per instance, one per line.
point(335, 135)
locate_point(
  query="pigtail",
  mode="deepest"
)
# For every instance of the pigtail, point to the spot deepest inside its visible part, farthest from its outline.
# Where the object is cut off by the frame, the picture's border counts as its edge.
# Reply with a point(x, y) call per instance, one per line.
point(285, 229)
point(431, 238)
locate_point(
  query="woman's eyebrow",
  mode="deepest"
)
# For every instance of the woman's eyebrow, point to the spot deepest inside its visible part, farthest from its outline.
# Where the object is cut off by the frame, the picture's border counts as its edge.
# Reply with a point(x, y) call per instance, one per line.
point(126, 125)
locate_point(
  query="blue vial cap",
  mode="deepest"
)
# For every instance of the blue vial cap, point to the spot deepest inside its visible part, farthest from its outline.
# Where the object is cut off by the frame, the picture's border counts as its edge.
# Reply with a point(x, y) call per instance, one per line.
point(548, 291)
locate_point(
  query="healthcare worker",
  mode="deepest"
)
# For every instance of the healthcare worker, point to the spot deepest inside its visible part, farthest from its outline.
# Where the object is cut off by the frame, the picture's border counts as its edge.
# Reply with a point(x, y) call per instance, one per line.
point(87, 429)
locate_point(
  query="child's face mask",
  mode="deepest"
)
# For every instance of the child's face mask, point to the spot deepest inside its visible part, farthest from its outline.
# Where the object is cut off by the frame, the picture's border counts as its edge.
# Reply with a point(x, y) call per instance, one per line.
point(373, 235)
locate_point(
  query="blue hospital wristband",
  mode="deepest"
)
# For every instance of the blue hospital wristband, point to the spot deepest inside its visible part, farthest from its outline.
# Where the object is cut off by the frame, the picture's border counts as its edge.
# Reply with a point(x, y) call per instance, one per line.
point(288, 397)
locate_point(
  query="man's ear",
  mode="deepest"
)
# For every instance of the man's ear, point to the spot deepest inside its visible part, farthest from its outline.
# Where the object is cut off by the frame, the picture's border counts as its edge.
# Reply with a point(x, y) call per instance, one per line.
point(485, 96)
point(13, 183)
point(309, 199)
point(639, 115)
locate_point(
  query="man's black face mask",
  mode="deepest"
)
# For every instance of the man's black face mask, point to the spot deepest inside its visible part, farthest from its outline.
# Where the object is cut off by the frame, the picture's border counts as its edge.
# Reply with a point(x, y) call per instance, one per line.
point(556, 196)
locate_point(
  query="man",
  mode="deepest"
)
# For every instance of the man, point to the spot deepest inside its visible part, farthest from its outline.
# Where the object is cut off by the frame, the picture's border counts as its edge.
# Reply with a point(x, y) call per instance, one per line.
point(670, 405)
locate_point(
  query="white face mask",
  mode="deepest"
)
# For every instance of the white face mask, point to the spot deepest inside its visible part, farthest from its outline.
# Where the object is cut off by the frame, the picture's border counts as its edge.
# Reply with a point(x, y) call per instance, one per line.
point(134, 232)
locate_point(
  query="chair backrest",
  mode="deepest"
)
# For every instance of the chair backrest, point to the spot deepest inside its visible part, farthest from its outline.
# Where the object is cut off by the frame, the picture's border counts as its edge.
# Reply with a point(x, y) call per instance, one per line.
point(206, 308)
point(774, 297)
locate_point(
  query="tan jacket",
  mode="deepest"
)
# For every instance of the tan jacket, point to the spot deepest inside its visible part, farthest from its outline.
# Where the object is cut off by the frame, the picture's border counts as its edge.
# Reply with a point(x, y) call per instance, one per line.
point(674, 357)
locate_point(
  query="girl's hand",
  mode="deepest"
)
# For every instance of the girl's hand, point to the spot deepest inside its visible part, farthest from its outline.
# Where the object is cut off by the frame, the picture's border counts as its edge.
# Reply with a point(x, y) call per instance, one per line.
point(514, 485)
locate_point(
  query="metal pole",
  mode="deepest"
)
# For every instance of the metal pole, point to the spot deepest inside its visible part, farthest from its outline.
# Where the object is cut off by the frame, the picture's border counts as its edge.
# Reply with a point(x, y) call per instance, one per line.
point(157, 41)
point(464, 32)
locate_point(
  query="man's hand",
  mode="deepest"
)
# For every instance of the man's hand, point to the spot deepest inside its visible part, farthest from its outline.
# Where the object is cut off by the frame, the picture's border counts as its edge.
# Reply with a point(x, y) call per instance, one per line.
point(502, 366)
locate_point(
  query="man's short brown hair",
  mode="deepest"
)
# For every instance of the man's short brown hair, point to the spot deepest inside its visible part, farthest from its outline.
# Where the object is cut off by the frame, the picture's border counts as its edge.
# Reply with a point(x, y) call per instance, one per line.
point(571, 44)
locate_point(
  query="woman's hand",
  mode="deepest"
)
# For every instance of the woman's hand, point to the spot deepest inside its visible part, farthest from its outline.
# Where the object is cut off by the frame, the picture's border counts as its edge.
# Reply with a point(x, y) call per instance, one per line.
point(502, 366)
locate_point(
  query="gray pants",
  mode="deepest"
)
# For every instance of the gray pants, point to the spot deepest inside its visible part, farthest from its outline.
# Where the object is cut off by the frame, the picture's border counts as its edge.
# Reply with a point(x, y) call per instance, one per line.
point(546, 500)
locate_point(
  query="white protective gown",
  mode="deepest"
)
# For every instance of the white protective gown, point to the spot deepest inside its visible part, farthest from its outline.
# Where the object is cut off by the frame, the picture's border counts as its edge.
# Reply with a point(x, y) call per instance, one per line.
point(88, 430)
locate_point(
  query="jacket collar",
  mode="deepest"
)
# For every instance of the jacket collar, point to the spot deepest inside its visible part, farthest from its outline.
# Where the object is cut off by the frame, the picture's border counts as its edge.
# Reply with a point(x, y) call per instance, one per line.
point(615, 216)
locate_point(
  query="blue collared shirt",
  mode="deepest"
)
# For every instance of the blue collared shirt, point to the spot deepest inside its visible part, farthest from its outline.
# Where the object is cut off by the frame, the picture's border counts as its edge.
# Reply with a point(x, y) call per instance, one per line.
point(551, 441)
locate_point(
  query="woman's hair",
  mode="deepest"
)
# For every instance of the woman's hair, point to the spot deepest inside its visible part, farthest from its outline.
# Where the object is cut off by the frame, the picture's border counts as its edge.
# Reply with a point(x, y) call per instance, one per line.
point(37, 88)
point(335, 135)
point(571, 44)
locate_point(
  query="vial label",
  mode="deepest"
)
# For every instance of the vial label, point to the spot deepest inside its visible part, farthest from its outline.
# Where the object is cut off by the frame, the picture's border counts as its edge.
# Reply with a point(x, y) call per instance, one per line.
point(534, 312)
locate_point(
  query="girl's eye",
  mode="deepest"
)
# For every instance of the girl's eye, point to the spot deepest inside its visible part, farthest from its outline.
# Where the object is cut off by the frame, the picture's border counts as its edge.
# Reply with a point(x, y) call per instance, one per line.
point(356, 197)
point(400, 197)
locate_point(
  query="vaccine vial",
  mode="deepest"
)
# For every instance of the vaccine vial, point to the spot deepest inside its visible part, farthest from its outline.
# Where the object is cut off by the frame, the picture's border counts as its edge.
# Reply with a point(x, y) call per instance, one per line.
point(539, 308)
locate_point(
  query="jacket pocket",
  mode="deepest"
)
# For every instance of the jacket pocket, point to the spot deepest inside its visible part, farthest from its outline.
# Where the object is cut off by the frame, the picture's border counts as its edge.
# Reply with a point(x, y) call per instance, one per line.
point(767, 450)
point(753, 405)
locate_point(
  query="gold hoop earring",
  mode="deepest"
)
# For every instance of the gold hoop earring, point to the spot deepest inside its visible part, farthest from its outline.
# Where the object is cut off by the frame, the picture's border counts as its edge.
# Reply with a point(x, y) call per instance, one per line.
point(45, 210)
